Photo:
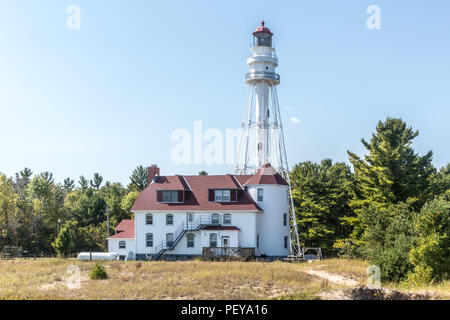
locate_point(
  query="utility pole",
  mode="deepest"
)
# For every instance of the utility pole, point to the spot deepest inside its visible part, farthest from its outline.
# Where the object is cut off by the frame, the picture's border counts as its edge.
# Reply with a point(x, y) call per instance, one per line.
point(58, 223)
point(107, 224)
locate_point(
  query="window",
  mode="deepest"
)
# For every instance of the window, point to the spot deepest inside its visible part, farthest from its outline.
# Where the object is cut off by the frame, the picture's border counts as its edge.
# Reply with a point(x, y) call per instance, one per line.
point(215, 218)
point(122, 245)
point(260, 194)
point(169, 219)
point(225, 195)
point(222, 195)
point(257, 240)
point(284, 219)
point(169, 196)
point(149, 239)
point(190, 221)
point(285, 242)
point(190, 240)
point(149, 218)
point(213, 239)
point(169, 239)
point(227, 218)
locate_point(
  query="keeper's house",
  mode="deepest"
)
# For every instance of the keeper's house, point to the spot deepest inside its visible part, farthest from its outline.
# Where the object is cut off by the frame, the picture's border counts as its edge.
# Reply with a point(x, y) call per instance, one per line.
point(180, 215)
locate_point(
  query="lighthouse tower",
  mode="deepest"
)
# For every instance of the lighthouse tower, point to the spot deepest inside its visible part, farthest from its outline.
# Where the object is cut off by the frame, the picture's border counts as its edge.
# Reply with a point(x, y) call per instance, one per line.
point(262, 139)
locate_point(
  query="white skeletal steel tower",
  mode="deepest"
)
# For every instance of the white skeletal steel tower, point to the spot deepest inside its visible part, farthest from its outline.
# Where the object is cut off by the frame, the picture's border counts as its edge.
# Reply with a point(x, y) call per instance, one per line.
point(262, 139)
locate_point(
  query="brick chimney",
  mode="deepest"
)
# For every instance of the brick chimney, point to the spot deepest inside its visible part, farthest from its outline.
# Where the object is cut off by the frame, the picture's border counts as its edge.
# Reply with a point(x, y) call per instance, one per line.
point(152, 171)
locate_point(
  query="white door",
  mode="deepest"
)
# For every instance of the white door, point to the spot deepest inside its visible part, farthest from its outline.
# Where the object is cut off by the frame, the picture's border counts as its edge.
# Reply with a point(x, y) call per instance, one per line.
point(225, 242)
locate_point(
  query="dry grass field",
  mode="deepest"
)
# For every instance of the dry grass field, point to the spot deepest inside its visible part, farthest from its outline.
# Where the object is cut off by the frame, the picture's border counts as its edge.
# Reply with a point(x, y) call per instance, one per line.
point(48, 279)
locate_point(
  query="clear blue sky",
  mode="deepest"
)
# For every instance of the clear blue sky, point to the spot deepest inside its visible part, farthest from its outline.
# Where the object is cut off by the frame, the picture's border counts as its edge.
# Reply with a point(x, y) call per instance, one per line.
point(107, 97)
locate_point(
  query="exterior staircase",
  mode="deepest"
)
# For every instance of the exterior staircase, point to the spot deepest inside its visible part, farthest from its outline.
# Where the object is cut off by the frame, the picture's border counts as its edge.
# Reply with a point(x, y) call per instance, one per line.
point(185, 226)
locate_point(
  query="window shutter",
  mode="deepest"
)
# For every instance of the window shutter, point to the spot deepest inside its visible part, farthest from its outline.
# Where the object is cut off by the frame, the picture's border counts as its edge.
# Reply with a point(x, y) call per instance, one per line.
point(233, 195)
point(211, 195)
point(159, 196)
point(180, 196)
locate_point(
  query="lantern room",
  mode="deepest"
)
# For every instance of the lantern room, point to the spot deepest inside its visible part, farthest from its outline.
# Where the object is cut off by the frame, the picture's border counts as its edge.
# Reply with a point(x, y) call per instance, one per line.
point(262, 37)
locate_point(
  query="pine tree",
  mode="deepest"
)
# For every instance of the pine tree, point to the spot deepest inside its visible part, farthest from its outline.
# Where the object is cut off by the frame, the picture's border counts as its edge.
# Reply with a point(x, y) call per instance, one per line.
point(442, 182)
point(84, 184)
point(63, 242)
point(97, 182)
point(138, 179)
point(390, 173)
point(68, 184)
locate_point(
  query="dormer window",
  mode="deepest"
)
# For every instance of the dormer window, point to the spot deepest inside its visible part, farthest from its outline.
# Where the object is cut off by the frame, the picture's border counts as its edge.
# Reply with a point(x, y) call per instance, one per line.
point(170, 196)
point(222, 195)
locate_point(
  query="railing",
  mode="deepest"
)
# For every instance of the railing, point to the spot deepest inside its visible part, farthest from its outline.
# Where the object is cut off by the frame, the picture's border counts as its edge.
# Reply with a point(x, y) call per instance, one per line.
point(262, 75)
point(263, 54)
point(195, 225)
point(234, 252)
point(224, 251)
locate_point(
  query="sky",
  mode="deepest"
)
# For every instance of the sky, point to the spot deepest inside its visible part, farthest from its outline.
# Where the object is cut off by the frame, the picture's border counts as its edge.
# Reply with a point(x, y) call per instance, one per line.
point(107, 97)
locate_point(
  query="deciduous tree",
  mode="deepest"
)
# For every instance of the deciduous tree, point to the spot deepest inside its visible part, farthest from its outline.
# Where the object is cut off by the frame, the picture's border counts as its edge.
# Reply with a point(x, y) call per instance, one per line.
point(321, 194)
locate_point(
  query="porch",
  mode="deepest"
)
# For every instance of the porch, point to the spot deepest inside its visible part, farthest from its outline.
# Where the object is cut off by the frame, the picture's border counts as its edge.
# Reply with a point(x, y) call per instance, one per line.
point(228, 253)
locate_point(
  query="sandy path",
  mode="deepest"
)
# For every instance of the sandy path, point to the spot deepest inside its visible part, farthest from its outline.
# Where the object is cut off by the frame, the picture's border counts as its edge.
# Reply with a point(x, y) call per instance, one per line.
point(335, 278)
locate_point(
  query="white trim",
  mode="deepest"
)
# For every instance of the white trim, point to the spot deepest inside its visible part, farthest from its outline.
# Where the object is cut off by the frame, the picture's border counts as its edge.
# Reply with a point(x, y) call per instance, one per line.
point(190, 189)
point(197, 211)
point(120, 238)
point(269, 184)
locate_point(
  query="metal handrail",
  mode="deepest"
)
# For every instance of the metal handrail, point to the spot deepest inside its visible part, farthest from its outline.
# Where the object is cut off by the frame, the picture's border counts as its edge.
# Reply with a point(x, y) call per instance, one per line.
point(184, 226)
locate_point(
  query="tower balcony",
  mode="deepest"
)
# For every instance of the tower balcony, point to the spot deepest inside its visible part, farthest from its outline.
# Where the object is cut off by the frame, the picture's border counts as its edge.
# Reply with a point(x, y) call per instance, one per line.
point(266, 53)
point(262, 75)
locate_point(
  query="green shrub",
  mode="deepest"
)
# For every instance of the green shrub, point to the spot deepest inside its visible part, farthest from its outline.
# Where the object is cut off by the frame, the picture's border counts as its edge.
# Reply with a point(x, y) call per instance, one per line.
point(389, 237)
point(431, 256)
point(394, 264)
point(98, 272)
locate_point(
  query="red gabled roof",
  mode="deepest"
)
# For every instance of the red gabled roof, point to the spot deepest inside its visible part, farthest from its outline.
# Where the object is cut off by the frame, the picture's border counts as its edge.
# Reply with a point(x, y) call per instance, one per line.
point(197, 196)
point(175, 182)
point(125, 224)
point(196, 191)
point(124, 230)
point(266, 175)
point(213, 181)
point(243, 178)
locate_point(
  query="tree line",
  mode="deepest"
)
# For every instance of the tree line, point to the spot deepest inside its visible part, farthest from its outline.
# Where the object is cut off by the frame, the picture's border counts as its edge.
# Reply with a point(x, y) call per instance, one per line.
point(391, 206)
point(43, 217)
